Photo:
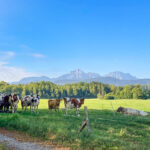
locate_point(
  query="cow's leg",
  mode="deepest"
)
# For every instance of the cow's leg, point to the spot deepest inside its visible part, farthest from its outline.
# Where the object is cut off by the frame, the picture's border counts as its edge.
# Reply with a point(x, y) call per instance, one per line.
point(66, 109)
point(57, 108)
point(37, 109)
point(12, 109)
point(5, 108)
point(16, 108)
point(30, 108)
point(25, 108)
point(78, 112)
point(34, 108)
point(22, 107)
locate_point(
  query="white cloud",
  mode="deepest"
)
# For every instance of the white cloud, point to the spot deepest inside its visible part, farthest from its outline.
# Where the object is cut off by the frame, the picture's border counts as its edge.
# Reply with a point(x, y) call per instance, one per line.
point(6, 55)
point(25, 47)
point(31, 52)
point(3, 63)
point(37, 55)
point(11, 74)
point(9, 53)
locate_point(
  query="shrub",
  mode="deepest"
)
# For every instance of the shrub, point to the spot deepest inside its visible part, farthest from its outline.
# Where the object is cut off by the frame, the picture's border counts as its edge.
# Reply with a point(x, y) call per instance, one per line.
point(109, 96)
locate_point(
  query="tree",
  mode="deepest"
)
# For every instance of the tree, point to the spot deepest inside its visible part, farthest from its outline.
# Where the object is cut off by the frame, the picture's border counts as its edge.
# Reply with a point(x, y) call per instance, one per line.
point(137, 92)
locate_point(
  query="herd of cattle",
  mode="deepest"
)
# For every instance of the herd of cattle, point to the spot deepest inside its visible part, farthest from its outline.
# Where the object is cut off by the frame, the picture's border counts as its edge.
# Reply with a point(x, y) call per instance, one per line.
point(12, 100)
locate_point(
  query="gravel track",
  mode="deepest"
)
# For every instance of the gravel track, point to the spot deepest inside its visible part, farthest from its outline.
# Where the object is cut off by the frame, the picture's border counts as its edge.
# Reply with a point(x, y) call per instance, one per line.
point(17, 145)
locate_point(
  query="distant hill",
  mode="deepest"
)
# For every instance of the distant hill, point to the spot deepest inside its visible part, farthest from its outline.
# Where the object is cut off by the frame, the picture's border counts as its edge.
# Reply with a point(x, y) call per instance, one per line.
point(78, 75)
point(121, 76)
point(116, 78)
point(32, 79)
point(74, 76)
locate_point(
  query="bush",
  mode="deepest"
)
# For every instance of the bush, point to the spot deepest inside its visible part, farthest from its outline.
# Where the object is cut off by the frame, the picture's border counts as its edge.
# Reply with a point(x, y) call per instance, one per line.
point(109, 96)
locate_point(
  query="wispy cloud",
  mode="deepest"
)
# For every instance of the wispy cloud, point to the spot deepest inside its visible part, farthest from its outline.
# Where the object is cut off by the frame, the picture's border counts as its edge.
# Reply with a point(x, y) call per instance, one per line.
point(11, 74)
point(9, 54)
point(5, 56)
point(3, 63)
point(25, 47)
point(31, 52)
point(37, 55)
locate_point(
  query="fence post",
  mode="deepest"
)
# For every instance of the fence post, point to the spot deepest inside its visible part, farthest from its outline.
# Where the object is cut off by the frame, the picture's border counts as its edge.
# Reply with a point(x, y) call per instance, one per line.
point(86, 122)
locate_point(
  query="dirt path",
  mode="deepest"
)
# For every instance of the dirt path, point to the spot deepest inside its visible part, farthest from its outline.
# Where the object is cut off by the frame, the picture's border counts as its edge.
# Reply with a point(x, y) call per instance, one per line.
point(16, 145)
point(18, 141)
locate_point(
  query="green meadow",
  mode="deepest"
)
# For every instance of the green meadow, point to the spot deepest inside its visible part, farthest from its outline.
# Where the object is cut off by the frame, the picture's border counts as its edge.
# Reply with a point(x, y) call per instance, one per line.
point(109, 129)
point(105, 104)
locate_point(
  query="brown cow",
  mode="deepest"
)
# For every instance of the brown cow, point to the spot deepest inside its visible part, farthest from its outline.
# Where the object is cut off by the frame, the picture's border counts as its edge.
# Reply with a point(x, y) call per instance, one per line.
point(54, 104)
point(73, 103)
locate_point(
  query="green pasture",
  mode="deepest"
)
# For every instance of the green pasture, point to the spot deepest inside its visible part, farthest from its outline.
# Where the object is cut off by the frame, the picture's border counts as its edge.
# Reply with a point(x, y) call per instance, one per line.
point(112, 105)
point(109, 130)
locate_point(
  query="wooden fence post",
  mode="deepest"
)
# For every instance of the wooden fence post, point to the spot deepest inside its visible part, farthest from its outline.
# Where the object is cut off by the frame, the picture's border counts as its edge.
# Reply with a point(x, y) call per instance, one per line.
point(86, 122)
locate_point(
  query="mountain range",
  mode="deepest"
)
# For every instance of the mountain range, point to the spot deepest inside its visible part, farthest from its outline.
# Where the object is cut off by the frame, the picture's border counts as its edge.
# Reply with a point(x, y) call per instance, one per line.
point(117, 78)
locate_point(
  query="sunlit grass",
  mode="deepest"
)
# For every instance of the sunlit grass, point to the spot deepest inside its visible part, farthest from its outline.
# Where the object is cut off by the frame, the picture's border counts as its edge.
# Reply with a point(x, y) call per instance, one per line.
point(109, 129)
point(105, 104)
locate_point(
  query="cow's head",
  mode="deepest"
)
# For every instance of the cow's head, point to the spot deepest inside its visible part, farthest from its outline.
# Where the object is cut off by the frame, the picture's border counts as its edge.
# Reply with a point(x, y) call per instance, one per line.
point(82, 101)
point(58, 101)
point(36, 98)
point(120, 109)
point(67, 99)
point(13, 97)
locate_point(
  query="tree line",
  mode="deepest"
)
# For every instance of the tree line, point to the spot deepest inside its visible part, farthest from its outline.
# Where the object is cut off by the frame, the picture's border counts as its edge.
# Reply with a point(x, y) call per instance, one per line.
point(82, 89)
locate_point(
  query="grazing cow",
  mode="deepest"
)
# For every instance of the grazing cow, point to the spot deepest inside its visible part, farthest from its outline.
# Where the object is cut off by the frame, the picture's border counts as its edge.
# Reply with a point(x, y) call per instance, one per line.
point(1, 101)
point(13, 100)
point(54, 104)
point(26, 101)
point(10, 101)
point(73, 103)
point(35, 103)
point(6, 103)
point(131, 111)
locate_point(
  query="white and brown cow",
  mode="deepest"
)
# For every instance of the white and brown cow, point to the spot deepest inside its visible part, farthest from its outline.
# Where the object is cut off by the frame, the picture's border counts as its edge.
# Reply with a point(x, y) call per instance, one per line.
point(13, 101)
point(71, 103)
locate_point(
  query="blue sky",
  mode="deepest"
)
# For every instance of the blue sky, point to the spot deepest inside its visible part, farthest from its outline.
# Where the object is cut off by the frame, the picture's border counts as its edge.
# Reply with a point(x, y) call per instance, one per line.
point(52, 37)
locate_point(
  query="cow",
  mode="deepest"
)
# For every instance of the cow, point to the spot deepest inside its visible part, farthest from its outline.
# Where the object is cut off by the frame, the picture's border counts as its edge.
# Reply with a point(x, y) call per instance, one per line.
point(1, 101)
point(5, 103)
point(73, 103)
point(35, 103)
point(130, 111)
point(54, 104)
point(10, 101)
point(26, 101)
point(13, 100)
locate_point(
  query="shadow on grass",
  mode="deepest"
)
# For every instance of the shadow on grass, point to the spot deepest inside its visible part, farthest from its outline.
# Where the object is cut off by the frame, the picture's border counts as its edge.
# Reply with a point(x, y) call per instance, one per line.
point(109, 130)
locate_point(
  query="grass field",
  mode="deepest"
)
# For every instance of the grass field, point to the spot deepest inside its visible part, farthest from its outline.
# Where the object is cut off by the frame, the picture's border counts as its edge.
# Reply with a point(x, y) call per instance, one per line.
point(109, 130)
